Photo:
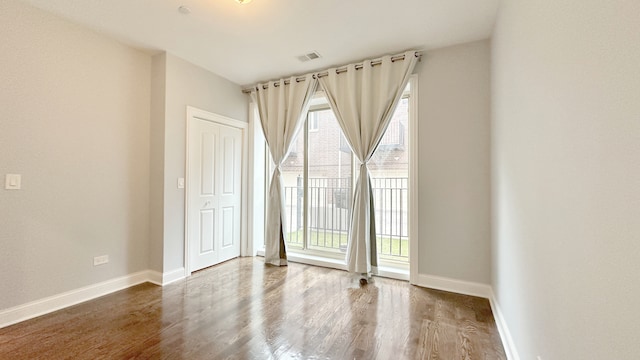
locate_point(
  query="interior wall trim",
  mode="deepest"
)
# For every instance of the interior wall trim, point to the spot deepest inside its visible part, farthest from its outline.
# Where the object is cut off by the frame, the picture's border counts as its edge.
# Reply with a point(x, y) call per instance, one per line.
point(474, 289)
point(503, 329)
point(454, 285)
point(172, 276)
point(49, 304)
point(154, 277)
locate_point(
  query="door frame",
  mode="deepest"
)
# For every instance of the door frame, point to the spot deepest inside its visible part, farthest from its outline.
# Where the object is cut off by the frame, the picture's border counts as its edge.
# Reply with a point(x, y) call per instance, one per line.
point(414, 181)
point(194, 113)
point(257, 211)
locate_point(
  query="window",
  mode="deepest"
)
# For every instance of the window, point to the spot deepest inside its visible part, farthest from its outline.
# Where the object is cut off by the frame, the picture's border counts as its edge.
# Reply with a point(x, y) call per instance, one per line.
point(312, 121)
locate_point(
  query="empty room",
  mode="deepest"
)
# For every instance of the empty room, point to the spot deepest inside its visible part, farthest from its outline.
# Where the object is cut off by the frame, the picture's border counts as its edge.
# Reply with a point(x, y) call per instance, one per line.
point(300, 179)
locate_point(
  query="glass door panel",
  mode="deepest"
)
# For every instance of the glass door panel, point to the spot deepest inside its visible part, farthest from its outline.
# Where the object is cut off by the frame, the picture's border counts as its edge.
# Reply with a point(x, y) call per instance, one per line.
point(293, 182)
point(329, 183)
point(389, 170)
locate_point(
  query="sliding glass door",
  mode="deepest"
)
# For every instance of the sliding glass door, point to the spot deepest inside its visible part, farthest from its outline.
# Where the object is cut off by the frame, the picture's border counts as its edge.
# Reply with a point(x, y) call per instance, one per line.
point(318, 177)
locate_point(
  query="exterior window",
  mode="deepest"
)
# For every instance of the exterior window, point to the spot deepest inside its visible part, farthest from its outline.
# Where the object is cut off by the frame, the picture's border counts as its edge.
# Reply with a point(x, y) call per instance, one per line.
point(312, 121)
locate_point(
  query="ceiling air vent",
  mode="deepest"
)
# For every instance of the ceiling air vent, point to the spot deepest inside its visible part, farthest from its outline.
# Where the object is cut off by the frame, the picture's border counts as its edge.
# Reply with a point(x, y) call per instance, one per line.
point(310, 56)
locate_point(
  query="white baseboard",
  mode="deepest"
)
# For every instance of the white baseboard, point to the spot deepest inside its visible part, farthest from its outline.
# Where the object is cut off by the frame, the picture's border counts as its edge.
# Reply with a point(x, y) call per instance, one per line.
point(453, 285)
point(49, 304)
point(162, 279)
point(154, 277)
point(474, 289)
point(173, 276)
point(505, 335)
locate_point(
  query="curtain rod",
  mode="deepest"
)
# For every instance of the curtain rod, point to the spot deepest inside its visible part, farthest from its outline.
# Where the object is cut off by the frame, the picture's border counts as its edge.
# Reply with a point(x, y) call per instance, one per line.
point(326, 72)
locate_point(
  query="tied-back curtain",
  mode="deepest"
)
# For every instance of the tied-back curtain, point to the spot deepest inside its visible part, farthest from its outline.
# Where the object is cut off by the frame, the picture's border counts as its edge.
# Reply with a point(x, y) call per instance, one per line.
point(281, 110)
point(364, 101)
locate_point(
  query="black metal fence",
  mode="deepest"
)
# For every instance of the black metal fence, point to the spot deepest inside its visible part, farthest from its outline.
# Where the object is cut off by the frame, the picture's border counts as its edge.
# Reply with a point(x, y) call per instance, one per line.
point(330, 212)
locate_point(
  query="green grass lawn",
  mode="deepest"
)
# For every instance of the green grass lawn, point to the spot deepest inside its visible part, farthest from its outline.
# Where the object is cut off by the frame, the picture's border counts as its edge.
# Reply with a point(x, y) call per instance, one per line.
point(386, 245)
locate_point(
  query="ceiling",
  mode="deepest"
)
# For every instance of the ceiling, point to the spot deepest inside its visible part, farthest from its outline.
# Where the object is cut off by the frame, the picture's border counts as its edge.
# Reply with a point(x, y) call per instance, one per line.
point(262, 40)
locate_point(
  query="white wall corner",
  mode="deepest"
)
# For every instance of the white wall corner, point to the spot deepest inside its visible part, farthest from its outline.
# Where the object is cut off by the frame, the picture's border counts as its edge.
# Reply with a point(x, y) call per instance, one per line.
point(453, 285)
point(49, 304)
point(173, 276)
point(474, 289)
point(154, 277)
point(505, 335)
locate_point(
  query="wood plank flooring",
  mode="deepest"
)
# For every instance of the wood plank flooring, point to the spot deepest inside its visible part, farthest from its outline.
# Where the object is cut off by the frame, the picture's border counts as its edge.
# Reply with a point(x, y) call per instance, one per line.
point(243, 309)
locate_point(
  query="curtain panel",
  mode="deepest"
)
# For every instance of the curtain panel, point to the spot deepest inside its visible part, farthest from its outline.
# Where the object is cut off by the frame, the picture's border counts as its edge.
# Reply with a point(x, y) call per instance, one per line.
point(282, 109)
point(364, 101)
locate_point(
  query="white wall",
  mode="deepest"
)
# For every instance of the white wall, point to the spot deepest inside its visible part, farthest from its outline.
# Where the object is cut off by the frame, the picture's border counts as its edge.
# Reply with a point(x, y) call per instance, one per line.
point(156, 161)
point(453, 162)
point(74, 120)
point(97, 129)
point(186, 85)
point(566, 176)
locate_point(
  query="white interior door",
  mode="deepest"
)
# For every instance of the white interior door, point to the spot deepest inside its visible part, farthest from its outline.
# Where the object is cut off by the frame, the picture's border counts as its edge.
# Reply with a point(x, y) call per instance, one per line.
point(230, 181)
point(214, 191)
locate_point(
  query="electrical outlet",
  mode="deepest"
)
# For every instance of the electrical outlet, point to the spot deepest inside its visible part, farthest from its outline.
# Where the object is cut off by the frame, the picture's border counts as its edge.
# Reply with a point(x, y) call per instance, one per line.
point(99, 260)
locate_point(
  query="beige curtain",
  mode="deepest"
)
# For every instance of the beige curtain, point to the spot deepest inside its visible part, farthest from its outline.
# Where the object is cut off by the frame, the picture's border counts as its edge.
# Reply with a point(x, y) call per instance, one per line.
point(282, 109)
point(364, 101)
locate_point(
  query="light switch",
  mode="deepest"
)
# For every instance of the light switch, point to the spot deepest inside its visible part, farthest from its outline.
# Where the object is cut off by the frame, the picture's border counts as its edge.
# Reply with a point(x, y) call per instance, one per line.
point(180, 183)
point(13, 182)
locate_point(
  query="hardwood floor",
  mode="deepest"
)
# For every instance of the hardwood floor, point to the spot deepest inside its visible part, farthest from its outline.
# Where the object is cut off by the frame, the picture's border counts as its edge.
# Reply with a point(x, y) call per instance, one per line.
point(243, 309)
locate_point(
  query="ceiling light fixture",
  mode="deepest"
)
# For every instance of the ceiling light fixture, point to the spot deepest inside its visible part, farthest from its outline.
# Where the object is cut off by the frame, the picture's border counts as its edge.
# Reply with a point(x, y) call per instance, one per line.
point(243, 1)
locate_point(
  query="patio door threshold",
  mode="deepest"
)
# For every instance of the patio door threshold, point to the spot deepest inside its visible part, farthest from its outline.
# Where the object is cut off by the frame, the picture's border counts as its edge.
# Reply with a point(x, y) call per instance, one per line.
point(315, 260)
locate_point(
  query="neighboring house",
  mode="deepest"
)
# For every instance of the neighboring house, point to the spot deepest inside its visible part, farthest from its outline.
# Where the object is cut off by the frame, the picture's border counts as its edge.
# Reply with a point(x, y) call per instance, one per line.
point(331, 153)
